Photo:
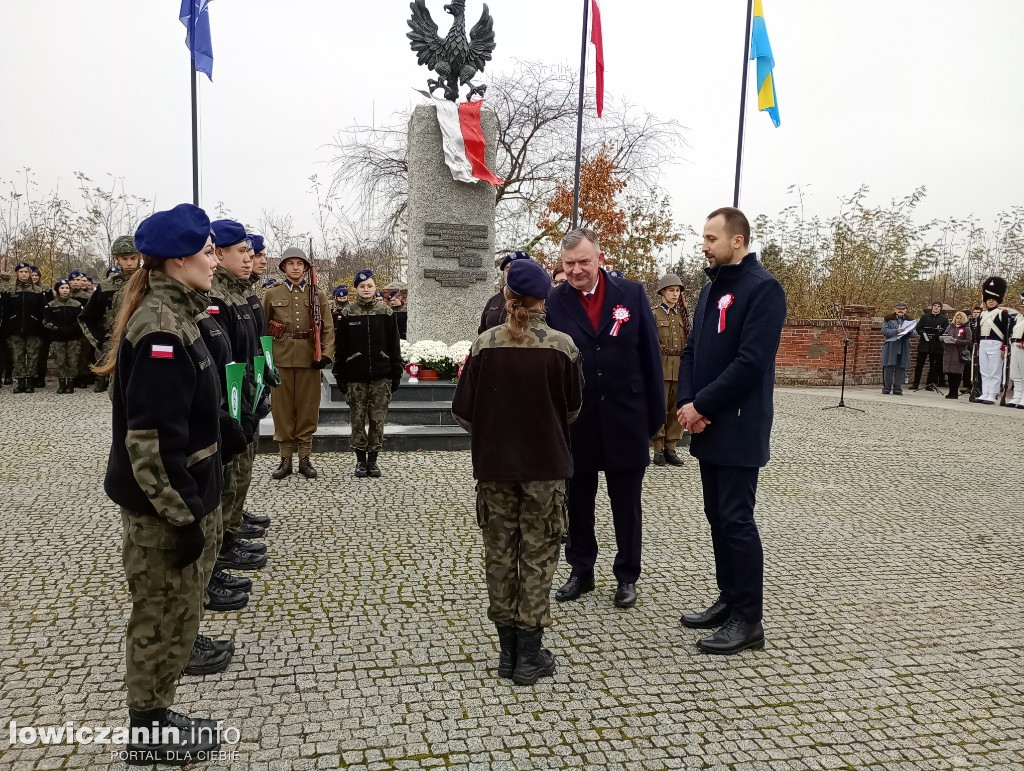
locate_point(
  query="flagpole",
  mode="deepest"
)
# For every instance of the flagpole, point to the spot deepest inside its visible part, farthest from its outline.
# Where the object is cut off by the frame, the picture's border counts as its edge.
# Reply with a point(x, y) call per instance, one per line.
point(195, 134)
point(579, 118)
point(743, 105)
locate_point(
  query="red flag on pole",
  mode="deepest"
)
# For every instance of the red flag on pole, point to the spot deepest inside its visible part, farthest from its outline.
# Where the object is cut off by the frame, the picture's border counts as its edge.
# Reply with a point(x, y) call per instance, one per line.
point(595, 38)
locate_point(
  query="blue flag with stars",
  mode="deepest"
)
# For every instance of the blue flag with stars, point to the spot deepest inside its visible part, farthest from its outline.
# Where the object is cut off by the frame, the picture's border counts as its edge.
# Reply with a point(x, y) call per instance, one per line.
point(195, 15)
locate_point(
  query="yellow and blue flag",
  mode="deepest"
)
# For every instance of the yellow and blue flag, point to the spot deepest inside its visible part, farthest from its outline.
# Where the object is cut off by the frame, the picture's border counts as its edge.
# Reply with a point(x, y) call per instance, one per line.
point(761, 50)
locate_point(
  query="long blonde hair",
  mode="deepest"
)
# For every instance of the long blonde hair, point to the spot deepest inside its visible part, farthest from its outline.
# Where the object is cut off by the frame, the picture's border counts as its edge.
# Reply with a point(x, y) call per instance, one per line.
point(518, 309)
point(131, 297)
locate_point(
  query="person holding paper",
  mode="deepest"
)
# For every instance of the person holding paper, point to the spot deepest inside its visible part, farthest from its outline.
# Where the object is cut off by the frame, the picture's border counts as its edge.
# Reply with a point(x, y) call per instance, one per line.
point(897, 330)
point(956, 342)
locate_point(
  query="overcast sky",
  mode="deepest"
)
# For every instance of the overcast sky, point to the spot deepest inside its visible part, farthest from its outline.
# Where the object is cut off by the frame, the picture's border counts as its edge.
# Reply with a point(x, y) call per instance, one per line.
point(892, 93)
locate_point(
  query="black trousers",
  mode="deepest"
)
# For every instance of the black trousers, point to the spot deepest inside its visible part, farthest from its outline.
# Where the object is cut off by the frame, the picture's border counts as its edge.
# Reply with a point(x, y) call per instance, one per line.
point(624, 492)
point(934, 359)
point(729, 497)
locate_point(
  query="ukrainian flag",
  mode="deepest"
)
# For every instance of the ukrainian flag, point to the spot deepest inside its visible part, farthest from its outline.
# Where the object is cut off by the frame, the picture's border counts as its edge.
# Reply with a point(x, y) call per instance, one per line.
point(761, 50)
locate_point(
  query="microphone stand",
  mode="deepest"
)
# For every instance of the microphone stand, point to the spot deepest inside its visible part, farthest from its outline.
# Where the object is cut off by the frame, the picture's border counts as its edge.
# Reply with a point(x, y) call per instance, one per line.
point(842, 390)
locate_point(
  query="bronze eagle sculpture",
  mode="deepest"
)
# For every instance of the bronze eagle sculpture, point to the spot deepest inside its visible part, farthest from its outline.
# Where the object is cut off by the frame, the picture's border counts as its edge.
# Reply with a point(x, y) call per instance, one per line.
point(455, 58)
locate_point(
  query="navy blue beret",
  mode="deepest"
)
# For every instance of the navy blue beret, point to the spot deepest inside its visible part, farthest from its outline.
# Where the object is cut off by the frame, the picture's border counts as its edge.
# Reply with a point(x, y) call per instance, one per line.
point(340, 291)
point(258, 243)
point(362, 276)
point(615, 273)
point(269, 282)
point(528, 279)
point(35, 269)
point(518, 255)
point(21, 265)
point(173, 234)
point(61, 282)
point(112, 271)
point(75, 274)
point(227, 232)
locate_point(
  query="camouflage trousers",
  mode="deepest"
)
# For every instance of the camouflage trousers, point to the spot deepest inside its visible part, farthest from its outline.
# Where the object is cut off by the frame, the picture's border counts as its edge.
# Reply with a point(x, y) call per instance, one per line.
point(214, 531)
point(65, 358)
point(167, 604)
point(241, 479)
point(368, 401)
point(523, 524)
point(25, 354)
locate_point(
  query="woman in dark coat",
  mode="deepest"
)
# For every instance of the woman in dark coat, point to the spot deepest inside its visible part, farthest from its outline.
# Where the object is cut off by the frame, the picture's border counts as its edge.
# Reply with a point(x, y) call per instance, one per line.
point(956, 338)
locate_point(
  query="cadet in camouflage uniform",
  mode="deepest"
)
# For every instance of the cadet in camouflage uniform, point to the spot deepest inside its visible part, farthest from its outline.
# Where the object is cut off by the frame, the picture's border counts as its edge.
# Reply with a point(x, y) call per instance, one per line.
point(369, 368)
point(44, 347)
point(23, 324)
point(6, 364)
point(673, 330)
point(164, 471)
point(60, 318)
point(520, 389)
point(97, 319)
point(296, 402)
point(82, 290)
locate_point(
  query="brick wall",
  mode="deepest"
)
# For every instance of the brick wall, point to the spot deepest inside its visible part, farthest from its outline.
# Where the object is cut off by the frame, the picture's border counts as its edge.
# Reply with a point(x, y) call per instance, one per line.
point(811, 351)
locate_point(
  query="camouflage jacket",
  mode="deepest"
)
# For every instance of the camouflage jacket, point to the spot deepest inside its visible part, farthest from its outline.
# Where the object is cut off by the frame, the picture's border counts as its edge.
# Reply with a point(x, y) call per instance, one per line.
point(517, 399)
point(97, 320)
point(164, 457)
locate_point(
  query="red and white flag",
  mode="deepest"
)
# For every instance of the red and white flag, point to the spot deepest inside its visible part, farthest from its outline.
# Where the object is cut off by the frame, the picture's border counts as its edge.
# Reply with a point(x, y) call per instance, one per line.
point(162, 352)
point(598, 41)
point(463, 141)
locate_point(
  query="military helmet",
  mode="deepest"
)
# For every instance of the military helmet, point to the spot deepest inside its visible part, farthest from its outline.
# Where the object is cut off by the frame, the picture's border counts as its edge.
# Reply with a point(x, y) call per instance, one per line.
point(669, 279)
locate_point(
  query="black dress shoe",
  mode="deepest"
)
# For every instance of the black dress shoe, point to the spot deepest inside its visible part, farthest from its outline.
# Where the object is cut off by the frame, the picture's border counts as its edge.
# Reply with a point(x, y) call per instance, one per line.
point(206, 661)
point(249, 530)
point(658, 459)
point(232, 583)
point(238, 559)
point(672, 458)
point(573, 588)
point(625, 595)
point(225, 599)
point(711, 618)
point(215, 645)
point(733, 637)
point(260, 520)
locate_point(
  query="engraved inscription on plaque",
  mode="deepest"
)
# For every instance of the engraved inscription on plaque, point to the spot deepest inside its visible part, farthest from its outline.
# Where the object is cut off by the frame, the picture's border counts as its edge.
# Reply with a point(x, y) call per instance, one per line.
point(463, 278)
point(465, 243)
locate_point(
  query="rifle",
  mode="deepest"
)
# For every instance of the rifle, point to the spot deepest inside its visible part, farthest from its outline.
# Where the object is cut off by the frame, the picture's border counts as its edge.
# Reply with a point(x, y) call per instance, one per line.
point(314, 303)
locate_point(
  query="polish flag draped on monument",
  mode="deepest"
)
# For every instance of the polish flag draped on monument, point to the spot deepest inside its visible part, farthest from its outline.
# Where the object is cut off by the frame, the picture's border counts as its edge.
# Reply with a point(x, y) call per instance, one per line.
point(463, 141)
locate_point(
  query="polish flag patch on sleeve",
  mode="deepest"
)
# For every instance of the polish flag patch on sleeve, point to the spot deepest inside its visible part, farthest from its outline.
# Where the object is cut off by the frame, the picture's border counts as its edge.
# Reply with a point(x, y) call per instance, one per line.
point(162, 352)
point(213, 310)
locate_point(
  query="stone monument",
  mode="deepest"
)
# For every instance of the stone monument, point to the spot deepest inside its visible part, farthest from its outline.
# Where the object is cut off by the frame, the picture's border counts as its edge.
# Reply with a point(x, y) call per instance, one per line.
point(451, 236)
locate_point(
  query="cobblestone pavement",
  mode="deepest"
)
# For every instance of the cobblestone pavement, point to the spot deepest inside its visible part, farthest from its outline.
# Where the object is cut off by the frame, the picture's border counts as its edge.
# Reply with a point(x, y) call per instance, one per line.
point(893, 612)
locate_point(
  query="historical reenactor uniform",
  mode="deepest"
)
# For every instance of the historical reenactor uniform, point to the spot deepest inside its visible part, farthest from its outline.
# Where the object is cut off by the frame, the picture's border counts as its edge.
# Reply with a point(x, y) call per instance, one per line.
point(494, 310)
point(673, 329)
point(23, 324)
point(368, 367)
point(60, 318)
point(727, 376)
point(520, 389)
point(101, 307)
point(929, 349)
point(164, 471)
point(1017, 358)
point(994, 329)
point(289, 308)
point(623, 408)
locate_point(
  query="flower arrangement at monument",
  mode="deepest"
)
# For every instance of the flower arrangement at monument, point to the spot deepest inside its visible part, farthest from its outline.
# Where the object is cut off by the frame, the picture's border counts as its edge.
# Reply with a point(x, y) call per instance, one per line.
point(436, 356)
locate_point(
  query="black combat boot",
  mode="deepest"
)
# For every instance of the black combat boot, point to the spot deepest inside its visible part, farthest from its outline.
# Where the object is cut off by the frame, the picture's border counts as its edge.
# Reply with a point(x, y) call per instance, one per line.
point(361, 470)
point(284, 468)
point(250, 546)
point(102, 381)
point(672, 458)
point(306, 468)
point(206, 661)
point(61, 388)
point(8, 380)
point(29, 386)
point(532, 661)
point(372, 469)
point(230, 582)
point(21, 387)
point(39, 381)
point(162, 736)
point(260, 520)
point(507, 657)
point(249, 530)
point(216, 645)
point(225, 599)
point(233, 558)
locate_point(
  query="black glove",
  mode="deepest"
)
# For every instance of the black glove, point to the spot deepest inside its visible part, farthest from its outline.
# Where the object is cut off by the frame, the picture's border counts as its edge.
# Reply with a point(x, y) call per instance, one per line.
point(272, 379)
point(395, 384)
point(191, 543)
point(232, 438)
point(263, 408)
point(249, 426)
point(324, 362)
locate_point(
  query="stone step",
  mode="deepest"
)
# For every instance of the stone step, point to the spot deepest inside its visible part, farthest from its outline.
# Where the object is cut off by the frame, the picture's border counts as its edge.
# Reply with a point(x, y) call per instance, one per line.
point(424, 391)
point(335, 438)
point(400, 413)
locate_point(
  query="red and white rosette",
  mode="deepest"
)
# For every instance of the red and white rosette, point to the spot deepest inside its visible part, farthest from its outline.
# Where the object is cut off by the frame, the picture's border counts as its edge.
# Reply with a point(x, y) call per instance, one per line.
point(723, 305)
point(414, 370)
point(620, 315)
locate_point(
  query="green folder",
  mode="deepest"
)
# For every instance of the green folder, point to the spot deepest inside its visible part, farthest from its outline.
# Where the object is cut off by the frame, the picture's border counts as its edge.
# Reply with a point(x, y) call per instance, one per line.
point(235, 374)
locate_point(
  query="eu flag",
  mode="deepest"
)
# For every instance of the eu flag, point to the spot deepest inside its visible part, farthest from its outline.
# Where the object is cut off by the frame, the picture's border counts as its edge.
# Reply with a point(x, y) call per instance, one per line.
point(195, 15)
point(761, 50)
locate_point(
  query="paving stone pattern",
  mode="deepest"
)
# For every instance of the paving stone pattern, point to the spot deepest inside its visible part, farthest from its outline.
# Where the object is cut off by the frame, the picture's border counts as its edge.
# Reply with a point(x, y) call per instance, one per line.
point(893, 611)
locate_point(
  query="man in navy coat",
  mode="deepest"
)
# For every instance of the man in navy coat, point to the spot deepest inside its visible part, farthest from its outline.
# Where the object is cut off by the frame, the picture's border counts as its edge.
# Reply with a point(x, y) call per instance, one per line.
point(611, 322)
point(726, 385)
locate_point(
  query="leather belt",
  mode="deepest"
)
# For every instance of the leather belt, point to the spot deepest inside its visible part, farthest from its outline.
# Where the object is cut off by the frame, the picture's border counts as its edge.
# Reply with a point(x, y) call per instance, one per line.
point(300, 335)
point(672, 353)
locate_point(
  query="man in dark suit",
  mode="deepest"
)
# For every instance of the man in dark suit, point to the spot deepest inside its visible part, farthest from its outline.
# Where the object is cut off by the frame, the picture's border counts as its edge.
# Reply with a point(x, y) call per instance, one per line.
point(726, 384)
point(611, 322)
